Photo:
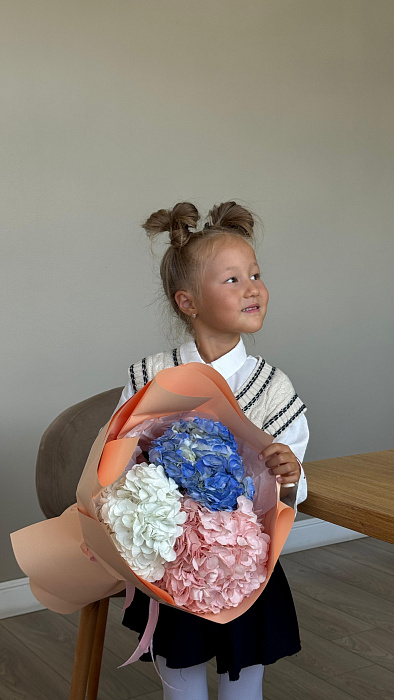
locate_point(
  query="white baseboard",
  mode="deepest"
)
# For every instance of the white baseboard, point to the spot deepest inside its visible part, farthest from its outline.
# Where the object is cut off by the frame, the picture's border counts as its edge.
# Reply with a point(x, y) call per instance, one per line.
point(16, 597)
point(312, 532)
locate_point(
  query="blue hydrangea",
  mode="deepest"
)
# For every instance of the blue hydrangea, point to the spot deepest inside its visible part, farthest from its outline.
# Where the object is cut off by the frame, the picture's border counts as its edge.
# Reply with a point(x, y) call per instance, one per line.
point(201, 456)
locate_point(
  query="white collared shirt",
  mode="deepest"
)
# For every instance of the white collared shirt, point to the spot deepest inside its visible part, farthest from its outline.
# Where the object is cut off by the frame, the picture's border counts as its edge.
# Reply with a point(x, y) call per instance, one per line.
point(235, 366)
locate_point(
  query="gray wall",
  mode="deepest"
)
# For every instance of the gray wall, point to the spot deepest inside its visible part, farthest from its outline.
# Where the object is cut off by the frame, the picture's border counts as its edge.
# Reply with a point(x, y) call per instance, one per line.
point(113, 109)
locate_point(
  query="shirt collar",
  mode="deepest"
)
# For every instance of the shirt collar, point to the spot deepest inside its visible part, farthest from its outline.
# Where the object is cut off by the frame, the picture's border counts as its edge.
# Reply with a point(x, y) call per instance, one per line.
point(226, 365)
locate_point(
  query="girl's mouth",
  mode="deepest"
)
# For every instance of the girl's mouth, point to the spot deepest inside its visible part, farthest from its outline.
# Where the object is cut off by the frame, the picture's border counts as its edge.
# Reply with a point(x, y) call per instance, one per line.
point(251, 309)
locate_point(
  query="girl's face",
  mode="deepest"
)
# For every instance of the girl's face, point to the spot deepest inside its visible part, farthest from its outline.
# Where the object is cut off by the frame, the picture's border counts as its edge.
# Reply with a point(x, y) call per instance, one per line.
point(233, 298)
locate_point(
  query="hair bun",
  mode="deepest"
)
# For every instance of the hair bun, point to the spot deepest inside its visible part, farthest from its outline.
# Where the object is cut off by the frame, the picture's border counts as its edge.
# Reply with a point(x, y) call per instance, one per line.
point(230, 215)
point(183, 216)
point(176, 221)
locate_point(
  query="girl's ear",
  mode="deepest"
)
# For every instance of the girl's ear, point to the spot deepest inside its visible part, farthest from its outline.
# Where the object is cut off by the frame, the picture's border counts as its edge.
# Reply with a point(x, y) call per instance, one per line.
point(185, 302)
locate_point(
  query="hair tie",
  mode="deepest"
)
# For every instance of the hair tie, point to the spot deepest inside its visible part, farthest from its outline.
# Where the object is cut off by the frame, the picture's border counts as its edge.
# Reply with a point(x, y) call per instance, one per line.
point(207, 225)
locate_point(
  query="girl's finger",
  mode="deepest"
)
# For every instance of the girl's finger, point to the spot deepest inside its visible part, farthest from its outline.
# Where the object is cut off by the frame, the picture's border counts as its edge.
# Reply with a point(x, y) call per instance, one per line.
point(277, 462)
point(284, 470)
point(275, 448)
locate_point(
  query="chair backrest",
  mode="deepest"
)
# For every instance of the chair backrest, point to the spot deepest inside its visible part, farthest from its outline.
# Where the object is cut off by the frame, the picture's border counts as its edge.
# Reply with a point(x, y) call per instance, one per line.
point(64, 449)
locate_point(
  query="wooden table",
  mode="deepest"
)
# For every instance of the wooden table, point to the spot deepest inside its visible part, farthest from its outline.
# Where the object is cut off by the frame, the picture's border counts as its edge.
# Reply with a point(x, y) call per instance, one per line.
point(356, 492)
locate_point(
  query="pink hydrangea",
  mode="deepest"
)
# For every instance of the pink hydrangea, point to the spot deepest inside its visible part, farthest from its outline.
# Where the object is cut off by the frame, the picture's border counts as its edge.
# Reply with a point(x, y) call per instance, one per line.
point(221, 558)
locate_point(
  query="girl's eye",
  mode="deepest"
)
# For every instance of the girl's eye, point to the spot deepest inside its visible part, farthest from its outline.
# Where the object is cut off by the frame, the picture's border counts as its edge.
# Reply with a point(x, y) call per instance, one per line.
point(256, 276)
point(231, 279)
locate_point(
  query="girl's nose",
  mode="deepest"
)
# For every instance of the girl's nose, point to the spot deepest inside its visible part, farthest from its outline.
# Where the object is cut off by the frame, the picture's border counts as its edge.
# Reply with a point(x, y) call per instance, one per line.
point(251, 289)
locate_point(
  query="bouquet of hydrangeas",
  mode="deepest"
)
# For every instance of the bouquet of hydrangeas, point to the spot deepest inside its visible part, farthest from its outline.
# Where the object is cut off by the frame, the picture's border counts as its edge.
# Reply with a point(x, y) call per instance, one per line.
point(185, 520)
point(166, 507)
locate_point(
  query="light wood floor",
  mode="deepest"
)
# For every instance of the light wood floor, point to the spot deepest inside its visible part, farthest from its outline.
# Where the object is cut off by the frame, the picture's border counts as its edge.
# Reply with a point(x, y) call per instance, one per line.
point(344, 596)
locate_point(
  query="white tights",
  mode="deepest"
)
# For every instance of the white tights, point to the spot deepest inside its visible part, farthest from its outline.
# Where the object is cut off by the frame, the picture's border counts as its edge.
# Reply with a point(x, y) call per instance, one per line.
point(193, 682)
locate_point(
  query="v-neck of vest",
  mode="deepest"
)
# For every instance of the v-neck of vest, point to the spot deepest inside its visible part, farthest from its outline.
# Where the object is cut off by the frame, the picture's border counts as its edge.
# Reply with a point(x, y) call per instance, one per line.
point(247, 391)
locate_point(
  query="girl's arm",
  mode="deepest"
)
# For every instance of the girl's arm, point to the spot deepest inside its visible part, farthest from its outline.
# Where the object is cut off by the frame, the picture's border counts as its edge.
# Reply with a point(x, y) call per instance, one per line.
point(284, 457)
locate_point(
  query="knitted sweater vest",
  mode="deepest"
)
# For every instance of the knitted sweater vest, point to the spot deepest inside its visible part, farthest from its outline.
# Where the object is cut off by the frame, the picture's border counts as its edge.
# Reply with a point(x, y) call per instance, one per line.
point(267, 397)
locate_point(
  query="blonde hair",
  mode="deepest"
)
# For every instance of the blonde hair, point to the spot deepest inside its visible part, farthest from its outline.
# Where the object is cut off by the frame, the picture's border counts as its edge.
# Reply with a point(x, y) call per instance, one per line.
point(182, 263)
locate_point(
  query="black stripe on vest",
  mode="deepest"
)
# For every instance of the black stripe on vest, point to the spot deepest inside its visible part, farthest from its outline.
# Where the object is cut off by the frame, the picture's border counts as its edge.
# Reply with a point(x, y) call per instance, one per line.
point(281, 412)
point(132, 377)
point(260, 391)
point(175, 357)
point(144, 372)
point(300, 410)
point(249, 384)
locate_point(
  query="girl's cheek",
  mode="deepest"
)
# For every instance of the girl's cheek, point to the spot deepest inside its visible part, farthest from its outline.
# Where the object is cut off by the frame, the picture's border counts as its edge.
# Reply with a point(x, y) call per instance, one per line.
point(264, 292)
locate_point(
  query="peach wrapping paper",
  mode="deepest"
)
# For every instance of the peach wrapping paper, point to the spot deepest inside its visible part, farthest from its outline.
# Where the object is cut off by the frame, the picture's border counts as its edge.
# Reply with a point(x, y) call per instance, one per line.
point(54, 553)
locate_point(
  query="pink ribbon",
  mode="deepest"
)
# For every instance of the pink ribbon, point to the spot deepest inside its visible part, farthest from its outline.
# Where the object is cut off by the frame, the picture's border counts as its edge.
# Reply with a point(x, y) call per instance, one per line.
point(130, 590)
point(86, 551)
point(146, 643)
point(147, 637)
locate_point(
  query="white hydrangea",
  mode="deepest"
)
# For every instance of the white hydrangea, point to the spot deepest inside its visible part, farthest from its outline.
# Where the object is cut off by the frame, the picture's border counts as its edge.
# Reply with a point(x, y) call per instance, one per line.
point(143, 511)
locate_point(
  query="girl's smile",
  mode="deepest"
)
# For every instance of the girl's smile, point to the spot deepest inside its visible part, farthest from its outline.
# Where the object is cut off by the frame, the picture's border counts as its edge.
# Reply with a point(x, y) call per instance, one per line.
point(251, 309)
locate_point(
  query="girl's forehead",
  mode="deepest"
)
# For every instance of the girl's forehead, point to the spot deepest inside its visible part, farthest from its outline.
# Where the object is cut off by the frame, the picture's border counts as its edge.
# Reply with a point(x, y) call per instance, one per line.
point(231, 252)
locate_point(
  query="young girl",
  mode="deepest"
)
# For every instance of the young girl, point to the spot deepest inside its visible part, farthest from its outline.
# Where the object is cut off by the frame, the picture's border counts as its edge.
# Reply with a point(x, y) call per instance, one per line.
point(212, 280)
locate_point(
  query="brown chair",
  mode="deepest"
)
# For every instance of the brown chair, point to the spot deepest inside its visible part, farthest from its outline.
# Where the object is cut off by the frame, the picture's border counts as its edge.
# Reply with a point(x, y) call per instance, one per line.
point(62, 454)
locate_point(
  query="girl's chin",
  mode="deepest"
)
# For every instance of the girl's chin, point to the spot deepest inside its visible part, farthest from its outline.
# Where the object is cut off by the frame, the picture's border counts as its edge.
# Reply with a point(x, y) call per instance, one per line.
point(251, 327)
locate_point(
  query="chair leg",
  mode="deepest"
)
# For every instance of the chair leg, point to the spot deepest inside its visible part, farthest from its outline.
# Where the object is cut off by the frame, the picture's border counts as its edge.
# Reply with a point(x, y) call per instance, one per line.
point(83, 650)
point(97, 653)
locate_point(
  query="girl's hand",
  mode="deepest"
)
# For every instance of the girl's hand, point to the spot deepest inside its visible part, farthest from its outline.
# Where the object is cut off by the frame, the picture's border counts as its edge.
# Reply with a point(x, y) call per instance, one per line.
point(282, 463)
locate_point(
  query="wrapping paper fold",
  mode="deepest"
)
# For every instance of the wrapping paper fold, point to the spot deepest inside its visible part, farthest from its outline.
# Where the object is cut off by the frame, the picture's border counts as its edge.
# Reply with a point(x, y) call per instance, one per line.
point(71, 560)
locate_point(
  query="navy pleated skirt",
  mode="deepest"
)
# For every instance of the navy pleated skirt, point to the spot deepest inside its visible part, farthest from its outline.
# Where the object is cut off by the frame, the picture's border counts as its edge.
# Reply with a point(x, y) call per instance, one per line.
point(262, 635)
